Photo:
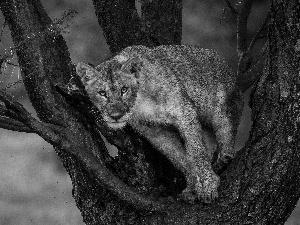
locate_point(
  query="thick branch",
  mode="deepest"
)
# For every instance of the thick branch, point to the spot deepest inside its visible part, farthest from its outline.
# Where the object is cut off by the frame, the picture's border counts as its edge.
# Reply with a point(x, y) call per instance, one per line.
point(163, 21)
point(42, 55)
point(121, 24)
point(108, 180)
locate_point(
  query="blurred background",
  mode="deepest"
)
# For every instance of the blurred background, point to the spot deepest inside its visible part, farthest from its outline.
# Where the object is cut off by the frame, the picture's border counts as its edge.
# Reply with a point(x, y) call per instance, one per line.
point(34, 187)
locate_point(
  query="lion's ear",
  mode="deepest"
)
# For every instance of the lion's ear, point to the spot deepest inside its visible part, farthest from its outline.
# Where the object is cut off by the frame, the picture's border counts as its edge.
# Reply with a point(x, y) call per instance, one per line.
point(85, 72)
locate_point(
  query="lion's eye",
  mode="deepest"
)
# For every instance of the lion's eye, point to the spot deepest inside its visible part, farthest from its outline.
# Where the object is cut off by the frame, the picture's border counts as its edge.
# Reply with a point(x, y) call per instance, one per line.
point(102, 93)
point(124, 90)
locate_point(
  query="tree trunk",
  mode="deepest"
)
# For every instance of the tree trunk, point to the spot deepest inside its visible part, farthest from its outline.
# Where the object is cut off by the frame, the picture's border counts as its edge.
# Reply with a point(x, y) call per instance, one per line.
point(261, 186)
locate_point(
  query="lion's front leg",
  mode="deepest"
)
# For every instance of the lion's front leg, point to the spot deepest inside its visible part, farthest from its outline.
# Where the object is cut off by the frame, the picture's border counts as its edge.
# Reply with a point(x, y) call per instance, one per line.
point(201, 179)
point(167, 143)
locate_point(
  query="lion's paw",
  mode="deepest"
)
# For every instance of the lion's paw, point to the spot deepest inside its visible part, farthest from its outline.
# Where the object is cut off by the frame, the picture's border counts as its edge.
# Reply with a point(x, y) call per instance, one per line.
point(207, 188)
point(204, 188)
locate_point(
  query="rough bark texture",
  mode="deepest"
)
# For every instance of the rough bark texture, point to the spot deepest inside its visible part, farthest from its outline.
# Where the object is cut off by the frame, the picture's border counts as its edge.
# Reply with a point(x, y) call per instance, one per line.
point(120, 23)
point(164, 24)
point(262, 184)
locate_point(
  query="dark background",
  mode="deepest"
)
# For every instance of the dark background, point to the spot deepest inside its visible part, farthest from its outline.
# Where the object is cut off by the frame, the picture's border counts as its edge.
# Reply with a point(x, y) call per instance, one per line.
point(34, 187)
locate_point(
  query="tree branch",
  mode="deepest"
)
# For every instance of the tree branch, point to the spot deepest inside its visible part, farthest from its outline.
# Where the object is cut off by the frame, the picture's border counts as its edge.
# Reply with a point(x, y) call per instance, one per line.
point(247, 72)
point(121, 24)
point(108, 180)
point(245, 80)
point(250, 70)
point(243, 15)
point(17, 117)
point(258, 33)
point(162, 20)
point(14, 125)
point(233, 9)
point(64, 138)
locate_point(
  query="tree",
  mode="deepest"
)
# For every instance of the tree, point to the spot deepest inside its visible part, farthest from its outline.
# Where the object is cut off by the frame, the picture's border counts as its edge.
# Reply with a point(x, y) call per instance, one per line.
point(261, 186)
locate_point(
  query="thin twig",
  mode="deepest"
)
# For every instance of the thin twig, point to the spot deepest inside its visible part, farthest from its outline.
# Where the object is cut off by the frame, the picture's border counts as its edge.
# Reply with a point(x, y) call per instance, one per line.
point(66, 16)
point(242, 26)
point(16, 112)
point(11, 84)
point(14, 125)
point(3, 59)
point(10, 104)
point(2, 29)
point(57, 25)
point(12, 64)
point(233, 9)
point(257, 35)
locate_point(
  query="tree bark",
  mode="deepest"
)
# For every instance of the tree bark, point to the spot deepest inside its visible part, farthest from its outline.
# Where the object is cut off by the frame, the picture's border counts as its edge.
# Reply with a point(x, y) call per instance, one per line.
point(261, 186)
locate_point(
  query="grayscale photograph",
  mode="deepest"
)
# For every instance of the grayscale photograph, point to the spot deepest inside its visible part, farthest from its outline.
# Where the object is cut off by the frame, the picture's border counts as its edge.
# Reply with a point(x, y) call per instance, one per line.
point(149, 112)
